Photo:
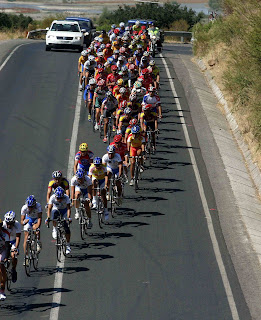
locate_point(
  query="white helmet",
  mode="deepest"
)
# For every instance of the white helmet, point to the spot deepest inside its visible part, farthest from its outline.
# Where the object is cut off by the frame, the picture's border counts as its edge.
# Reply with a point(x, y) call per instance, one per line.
point(92, 81)
point(91, 58)
point(122, 24)
point(122, 90)
point(137, 23)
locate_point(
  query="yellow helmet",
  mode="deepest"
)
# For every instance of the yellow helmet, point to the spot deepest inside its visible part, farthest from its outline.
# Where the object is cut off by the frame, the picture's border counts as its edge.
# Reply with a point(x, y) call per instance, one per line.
point(83, 147)
point(120, 81)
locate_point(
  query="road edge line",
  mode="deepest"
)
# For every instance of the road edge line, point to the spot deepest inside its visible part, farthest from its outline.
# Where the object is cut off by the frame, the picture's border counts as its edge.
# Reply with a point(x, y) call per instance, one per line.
point(217, 252)
point(58, 280)
point(10, 55)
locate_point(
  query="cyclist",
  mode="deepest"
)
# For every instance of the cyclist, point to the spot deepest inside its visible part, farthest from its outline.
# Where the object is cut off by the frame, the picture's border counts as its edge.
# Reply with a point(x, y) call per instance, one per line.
point(147, 78)
point(155, 73)
point(4, 254)
point(132, 123)
point(107, 52)
point(136, 146)
point(117, 87)
point(136, 27)
point(81, 184)
point(154, 100)
point(89, 68)
point(83, 158)
point(88, 96)
point(134, 105)
point(60, 204)
point(124, 121)
point(108, 109)
point(31, 217)
point(98, 97)
point(98, 173)
point(121, 149)
point(113, 162)
point(120, 111)
point(112, 77)
point(83, 58)
point(148, 119)
point(122, 95)
point(13, 227)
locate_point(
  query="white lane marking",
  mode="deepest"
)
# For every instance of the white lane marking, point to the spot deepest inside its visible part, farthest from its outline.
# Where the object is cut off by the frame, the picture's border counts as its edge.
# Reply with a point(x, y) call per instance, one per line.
point(58, 280)
point(221, 266)
point(10, 55)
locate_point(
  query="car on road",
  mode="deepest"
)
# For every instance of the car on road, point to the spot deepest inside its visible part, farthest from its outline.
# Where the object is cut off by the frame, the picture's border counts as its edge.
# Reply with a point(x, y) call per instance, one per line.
point(86, 24)
point(64, 34)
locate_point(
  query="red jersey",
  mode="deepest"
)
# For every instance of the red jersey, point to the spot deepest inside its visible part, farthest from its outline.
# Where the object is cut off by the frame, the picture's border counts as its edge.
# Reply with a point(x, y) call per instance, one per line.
point(121, 150)
point(146, 83)
point(112, 78)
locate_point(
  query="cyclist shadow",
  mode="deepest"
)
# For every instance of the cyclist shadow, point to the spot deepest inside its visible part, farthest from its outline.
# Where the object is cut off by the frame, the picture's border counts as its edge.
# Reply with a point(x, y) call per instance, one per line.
point(142, 198)
point(18, 308)
point(118, 235)
point(149, 214)
point(135, 224)
point(20, 293)
point(126, 212)
point(93, 245)
point(155, 190)
point(96, 257)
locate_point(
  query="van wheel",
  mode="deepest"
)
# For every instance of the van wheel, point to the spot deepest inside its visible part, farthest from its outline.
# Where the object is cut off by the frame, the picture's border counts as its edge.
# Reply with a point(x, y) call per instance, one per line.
point(47, 48)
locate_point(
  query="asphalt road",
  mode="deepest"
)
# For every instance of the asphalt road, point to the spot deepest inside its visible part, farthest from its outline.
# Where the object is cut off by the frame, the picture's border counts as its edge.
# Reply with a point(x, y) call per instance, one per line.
point(155, 260)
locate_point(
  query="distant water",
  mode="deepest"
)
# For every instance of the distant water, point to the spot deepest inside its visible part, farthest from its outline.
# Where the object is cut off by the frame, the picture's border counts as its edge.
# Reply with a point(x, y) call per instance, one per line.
point(198, 7)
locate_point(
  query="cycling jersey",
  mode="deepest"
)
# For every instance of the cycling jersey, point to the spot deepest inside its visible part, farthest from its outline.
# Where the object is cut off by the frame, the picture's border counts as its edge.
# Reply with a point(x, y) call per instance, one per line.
point(84, 162)
point(110, 104)
point(120, 149)
point(90, 66)
point(154, 100)
point(125, 120)
point(111, 163)
point(64, 184)
point(59, 205)
point(136, 142)
point(88, 93)
point(148, 117)
point(82, 185)
point(98, 172)
point(4, 237)
point(147, 82)
point(112, 78)
point(82, 60)
point(31, 214)
point(16, 228)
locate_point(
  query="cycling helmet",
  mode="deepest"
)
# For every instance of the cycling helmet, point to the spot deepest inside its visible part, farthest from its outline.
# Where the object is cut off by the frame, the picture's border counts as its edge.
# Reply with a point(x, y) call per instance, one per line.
point(100, 70)
point(91, 58)
point(146, 54)
point(123, 104)
point(80, 173)
point(146, 107)
point(144, 71)
point(137, 84)
point(127, 111)
point(101, 83)
point(97, 161)
point(92, 81)
point(152, 89)
point(100, 54)
point(122, 24)
point(133, 97)
point(116, 51)
point(84, 53)
point(57, 174)
point(133, 122)
point(100, 40)
point(131, 66)
point(102, 46)
point(122, 50)
point(127, 28)
point(122, 90)
point(83, 147)
point(120, 81)
point(30, 201)
point(121, 58)
point(113, 26)
point(139, 46)
point(109, 94)
point(137, 22)
point(59, 192)
point(135, 129)
point(114, 68)
point(9, 217)
point(124, 69)
point(110, 60)
point(152, 63)
point(117, 138)
point(116, 31)
point(111, 149)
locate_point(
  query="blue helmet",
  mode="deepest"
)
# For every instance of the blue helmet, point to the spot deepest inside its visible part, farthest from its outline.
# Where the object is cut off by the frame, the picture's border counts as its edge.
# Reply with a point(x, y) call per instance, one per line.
point(135, 129)
point(30, 201)
point(111, 149)
point(80, 173)
point(59, 192)
point(97, 160)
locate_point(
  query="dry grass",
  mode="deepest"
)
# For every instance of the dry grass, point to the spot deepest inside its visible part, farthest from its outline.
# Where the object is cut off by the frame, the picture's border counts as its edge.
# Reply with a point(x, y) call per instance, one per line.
point(12, 35)
point(219, 54)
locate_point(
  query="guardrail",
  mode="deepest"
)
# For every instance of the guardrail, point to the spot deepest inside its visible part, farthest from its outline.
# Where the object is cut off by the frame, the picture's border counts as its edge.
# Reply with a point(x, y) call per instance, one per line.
point(35, 33)
point(181, 34)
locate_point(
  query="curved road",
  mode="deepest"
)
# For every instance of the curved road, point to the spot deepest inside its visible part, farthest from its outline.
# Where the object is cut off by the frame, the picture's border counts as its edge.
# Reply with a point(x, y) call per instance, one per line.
point(156, 260)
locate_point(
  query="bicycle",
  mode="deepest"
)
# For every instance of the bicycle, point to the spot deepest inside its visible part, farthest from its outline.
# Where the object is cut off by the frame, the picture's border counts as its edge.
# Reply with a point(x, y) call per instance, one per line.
point(137, 175)
point(113, 195)
point(61, 237)
point(149, 147)
point(99, 207)
point(83, 220)
point(8, 267)
point(31, 252)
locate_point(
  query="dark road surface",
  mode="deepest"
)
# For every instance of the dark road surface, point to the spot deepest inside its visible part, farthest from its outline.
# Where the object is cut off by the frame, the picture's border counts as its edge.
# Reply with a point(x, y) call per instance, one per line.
point(155, 260)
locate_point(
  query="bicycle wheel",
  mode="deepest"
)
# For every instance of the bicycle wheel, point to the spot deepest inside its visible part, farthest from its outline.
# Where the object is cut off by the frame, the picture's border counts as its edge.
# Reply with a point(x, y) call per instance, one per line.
point(64, 244)
point(136, 176)
point(101, 128)
point(100, 213)
point(28, 259)
point(59, 245)
point(35, 254)
point(93, 119)
point(82, 223)
point(8, 276)
point(113, 196)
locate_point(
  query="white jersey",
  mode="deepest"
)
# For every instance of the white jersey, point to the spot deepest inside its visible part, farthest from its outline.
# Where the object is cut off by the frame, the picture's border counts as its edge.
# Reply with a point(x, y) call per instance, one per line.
point(16, 228)
point(154, 101)
point(112, 163)
point(31, 214)
point(59, 205)
point(86, 182)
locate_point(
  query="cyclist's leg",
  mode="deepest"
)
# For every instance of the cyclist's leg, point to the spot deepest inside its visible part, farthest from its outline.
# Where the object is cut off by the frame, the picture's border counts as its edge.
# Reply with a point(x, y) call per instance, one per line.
point(25, 238)
point(63, 214)
point(86, 203)
point(133, 153)
point(105, 119)
point(103, 192)
point(2, 270)
point(139, 152)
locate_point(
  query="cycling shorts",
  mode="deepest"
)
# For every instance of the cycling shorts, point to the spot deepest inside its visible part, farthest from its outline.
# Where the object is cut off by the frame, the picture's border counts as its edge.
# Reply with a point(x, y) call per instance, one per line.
point(55, 213)
point(115, 171)
point(134, 151)
point(84, 192)
point(108, 113)
point(90, 95)
point(150, 125)
point(101, 182)
point(29, 223)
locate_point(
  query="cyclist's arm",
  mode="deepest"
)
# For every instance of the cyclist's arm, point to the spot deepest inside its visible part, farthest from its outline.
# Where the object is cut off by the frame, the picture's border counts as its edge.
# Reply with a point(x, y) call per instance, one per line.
point(156, 124)
point(50, 206)
point(90, 192)
point(106, 180)
point(142, 124)
point(68, 211)
point(49, 191)
point(17, 240)
point(160, 110)
point(102, 107)
point(72, 192)
point(23, 220)
point(120, 169)
point(75, 166)
point(94, 98)
point(67, 191)
point(39, 221)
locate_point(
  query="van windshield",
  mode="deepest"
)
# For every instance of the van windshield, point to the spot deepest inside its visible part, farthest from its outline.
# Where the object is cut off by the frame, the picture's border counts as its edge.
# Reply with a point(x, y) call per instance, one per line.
point(65, 27)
